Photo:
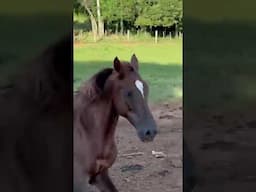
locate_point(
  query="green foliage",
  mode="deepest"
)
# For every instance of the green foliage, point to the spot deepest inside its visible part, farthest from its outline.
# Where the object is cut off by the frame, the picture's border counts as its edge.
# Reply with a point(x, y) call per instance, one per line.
point(78, 8)
point(135, 13)
point(110, 11)
point(159, 12)
point(80, 18)
point(115, 10)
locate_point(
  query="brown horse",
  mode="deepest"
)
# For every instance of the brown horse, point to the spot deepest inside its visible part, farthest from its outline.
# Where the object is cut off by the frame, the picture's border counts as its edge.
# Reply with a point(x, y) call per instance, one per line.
point(97, 106)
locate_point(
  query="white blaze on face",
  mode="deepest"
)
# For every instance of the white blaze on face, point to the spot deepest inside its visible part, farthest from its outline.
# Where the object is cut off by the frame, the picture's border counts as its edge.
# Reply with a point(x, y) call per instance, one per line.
point(139, 86)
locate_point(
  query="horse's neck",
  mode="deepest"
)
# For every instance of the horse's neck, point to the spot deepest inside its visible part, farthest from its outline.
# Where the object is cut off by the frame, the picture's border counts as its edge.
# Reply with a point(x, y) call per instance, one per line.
point(107, 117)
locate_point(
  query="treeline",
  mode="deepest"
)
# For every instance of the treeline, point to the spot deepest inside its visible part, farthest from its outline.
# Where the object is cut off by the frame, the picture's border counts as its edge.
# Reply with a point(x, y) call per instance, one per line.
point(118, 16)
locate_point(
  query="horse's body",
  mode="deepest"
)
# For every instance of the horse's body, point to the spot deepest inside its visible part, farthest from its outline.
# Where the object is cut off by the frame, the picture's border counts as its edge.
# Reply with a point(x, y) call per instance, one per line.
point(97, 106)
point(89, 135)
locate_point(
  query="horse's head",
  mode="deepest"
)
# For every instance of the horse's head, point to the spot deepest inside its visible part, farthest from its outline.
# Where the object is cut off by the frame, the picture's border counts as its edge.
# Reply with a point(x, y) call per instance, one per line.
point(130, 98)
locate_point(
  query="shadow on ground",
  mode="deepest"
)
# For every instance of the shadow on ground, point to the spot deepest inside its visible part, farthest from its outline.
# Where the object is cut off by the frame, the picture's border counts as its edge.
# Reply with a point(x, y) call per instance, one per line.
point(219, 104)
point(165, 81)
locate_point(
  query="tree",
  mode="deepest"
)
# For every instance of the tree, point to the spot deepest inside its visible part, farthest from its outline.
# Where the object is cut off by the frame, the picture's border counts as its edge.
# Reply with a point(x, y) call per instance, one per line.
point(163, 13)
point(110, 12)
point(127, 14)
point(119, 12)
point(92, 8)
point(88, 5)
point(100, 21)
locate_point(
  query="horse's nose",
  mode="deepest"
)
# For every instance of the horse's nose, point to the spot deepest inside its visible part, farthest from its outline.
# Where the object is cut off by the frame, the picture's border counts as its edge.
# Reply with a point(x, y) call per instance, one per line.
point(150, 134)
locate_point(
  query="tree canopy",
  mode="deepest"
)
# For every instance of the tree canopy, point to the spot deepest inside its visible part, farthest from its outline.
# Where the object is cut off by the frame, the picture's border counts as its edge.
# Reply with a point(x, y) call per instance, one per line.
point(159, 12)
point(136, 13)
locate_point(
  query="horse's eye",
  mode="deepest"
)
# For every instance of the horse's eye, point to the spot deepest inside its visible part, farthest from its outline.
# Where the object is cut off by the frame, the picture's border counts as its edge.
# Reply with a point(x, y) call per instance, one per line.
point(131, 68)
point(129, 93)
point(129, 108)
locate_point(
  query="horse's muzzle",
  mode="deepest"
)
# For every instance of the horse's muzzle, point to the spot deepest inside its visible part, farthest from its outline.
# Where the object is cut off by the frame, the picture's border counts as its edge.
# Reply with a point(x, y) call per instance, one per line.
point(147, 135)
point(146, 126)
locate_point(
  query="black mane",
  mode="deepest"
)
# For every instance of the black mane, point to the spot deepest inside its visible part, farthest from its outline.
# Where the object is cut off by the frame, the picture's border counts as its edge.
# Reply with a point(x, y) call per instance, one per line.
point(94, 87)
point(101, 77)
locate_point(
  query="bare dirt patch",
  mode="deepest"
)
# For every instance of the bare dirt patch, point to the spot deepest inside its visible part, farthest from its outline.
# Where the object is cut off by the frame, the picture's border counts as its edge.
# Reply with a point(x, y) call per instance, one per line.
point(136, 168)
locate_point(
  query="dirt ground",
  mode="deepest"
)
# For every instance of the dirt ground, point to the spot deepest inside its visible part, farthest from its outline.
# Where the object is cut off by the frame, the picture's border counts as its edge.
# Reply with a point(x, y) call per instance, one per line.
point(226, 141)
point(144, 172)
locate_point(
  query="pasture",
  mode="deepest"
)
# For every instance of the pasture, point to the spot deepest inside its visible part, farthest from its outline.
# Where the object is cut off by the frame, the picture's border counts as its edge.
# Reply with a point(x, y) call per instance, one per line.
point(161, 66)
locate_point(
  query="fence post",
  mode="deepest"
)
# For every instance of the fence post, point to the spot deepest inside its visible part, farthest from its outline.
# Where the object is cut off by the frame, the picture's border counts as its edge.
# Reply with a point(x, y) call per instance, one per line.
point(156, 35)
point(95, 37)
point(128, 35)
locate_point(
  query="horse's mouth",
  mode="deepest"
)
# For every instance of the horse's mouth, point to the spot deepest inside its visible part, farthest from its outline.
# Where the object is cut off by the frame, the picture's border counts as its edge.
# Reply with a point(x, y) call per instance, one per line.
point(147, 136)
point(147, 139)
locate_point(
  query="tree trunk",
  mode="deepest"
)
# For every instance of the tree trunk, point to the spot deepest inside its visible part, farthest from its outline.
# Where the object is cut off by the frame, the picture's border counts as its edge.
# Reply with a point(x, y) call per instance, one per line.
point(100, 22)
point(94, 28)
point(93, 23)
point(175, 29)
point(121, 19)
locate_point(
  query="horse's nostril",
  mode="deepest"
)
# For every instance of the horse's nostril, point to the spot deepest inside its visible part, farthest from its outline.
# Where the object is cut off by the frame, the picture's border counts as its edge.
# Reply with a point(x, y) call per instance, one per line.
point(147, 133)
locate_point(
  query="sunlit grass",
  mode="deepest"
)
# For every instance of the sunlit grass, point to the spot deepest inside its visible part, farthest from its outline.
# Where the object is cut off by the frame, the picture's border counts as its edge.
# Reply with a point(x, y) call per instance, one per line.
point(160, 64)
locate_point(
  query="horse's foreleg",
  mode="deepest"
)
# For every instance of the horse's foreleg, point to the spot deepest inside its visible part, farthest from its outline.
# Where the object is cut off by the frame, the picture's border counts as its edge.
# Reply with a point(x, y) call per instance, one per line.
point(103, 182)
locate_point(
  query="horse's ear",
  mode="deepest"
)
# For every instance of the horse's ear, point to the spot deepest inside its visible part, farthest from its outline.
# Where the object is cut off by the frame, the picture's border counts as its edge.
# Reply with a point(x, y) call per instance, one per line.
point(134, 62)
point(117, 64)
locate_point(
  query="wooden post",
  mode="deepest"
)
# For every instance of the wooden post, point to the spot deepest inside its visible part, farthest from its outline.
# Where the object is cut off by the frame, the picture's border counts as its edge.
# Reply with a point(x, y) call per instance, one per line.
point(116, 28)
point(80, 35)
point(163, 34)
point(128, 35)
point(95, 37)
point(156, 35)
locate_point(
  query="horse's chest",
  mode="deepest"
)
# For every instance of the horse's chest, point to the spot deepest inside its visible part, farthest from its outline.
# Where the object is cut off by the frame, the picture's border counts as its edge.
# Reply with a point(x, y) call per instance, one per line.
point(108, 153)
point(104, 157)
point(96, 149)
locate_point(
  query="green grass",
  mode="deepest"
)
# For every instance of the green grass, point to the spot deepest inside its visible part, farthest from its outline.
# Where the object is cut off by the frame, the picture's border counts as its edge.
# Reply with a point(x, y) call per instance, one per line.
point(160, 64)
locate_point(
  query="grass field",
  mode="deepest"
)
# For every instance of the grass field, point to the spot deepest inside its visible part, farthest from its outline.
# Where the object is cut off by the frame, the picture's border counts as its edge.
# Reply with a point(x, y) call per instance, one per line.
point(160, 64)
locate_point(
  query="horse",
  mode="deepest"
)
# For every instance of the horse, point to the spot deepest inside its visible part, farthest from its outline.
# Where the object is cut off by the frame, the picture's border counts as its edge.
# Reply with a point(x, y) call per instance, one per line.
point(98, 103)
